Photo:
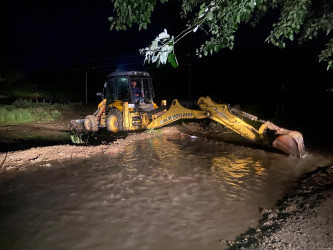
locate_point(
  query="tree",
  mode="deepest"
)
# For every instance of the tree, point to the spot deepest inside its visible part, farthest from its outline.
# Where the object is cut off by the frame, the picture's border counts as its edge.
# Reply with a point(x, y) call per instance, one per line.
point(300, 20)
point(10, 79)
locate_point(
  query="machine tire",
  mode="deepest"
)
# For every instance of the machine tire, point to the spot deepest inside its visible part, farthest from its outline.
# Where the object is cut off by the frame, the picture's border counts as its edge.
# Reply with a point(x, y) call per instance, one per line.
point(91, 123)
point(114, 123)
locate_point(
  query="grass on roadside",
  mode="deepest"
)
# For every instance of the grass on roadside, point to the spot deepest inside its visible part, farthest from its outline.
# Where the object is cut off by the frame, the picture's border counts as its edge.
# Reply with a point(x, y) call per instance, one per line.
point(22, 103)
point(10, 115)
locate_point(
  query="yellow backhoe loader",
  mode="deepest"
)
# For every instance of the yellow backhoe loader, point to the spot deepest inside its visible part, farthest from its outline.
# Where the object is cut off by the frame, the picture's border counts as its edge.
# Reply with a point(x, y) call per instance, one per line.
point(125, 108)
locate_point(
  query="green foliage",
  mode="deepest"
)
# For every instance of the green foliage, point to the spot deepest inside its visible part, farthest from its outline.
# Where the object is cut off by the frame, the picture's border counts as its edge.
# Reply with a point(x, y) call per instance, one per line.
point(326, 55)
point(9, 80)
point(10, 114)
point(160, 50)
point(315, 25)
point(11, 77)
point(293, 14)
point(150, 131)
point(173, 60)
point(131, 12)
point(154, 131)
point(76, 138)
point(24, 103)
point(299, 20)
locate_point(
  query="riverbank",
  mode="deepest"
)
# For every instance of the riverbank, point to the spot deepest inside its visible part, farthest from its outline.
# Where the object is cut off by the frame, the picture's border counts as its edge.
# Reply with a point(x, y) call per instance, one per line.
point(24, 158)
point(302, 219)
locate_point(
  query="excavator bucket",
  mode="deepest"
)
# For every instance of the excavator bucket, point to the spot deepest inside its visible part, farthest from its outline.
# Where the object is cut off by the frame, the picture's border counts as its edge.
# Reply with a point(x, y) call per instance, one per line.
point(287, 141)
point(284, 140)
point(287, 144)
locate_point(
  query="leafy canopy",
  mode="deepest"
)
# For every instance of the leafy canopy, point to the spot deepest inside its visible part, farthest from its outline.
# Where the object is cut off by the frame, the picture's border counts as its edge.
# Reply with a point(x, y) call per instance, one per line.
point(300, 20)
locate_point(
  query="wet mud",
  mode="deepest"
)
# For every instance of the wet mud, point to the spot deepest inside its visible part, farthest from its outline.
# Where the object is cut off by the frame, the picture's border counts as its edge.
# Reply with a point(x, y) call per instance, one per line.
point(302, 219)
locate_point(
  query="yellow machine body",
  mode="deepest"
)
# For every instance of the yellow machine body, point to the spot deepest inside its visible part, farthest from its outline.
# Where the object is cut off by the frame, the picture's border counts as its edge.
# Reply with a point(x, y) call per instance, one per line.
point(290, 142)
point(126, 115)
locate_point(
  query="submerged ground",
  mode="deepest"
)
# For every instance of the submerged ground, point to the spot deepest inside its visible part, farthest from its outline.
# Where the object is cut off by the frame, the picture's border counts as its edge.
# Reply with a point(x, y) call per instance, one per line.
point(301, 218)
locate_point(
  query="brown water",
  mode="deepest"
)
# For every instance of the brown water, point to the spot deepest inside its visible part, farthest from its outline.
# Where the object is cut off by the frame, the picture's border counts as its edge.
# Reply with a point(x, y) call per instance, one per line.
point(160, 193)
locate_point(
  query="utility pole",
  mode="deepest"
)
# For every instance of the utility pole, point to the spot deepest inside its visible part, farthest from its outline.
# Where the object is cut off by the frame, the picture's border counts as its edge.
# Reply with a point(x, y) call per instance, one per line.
point(86, 87)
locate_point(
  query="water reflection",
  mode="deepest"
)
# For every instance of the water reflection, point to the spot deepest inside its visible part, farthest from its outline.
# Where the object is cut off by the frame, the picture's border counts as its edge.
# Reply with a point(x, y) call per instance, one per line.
point(161, 193)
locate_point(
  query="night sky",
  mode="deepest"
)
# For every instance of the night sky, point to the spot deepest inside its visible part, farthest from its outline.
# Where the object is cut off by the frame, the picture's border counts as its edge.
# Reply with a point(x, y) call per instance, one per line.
point(55, 42)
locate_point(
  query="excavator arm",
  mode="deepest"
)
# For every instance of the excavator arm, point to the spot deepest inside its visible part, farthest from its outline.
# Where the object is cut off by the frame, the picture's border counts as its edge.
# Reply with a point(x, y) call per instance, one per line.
point(174, 113)
point(221, 114)
point(287, 141)
point(265, 133)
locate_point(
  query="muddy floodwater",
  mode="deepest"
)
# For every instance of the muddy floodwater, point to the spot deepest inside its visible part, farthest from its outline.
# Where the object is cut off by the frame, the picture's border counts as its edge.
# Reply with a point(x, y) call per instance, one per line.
point(160, 193)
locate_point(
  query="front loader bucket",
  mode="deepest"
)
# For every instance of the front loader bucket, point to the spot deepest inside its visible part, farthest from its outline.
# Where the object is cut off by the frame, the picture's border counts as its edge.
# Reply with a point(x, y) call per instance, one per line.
point(78, 125)
point(77, 131)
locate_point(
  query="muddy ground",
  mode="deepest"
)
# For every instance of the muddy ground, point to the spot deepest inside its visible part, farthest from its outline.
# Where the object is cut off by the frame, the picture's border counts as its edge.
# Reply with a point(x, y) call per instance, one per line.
point(302, 219)
point(27, 144)
point(25, 136)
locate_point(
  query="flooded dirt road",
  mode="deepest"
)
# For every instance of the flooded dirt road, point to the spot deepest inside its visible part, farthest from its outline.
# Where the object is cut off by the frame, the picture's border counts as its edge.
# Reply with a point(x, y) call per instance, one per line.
point(159, 193)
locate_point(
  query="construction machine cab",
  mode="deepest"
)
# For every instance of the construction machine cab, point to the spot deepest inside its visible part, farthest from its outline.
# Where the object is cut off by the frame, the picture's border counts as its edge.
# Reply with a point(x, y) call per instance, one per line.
point(118, 87)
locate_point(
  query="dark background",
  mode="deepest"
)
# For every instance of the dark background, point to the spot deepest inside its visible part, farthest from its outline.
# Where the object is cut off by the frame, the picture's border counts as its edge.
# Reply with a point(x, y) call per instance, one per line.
point(57, 44)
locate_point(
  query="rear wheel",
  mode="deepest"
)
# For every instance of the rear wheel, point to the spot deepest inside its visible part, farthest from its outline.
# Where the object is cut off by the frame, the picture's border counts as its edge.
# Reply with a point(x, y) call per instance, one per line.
point(114, 123)
point(91, 123)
